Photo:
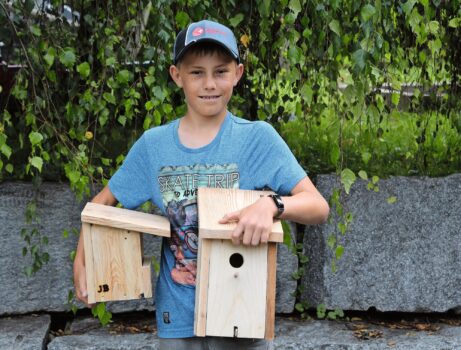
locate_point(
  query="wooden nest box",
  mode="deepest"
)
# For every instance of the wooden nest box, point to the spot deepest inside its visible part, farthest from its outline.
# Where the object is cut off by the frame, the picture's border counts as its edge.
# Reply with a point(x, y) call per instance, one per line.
point(114, 263)
point(235, 294)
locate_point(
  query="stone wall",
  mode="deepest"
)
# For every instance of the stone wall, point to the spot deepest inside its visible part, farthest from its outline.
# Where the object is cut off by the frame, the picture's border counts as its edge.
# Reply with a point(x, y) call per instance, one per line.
point(402, 256)
point(59, 210)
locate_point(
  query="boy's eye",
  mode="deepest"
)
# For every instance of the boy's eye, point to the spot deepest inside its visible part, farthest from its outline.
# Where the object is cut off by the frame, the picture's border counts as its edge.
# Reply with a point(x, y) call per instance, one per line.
point(196, 72)
point(222, 71)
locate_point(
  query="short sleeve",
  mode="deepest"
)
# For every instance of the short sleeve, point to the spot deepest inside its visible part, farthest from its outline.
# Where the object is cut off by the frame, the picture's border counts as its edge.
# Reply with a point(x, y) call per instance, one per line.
point(131, 183)
point(273, 161)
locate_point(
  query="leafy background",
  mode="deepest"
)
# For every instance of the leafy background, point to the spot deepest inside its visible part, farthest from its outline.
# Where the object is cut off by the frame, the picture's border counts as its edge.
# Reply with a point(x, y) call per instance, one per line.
point(368, 86)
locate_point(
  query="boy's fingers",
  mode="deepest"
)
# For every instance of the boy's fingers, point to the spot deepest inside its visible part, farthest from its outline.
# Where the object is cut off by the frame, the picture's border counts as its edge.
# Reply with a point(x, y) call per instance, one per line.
point(237, 235)
point(256, 238)
point(234, 216)
point(248, 236)
point(265, 236)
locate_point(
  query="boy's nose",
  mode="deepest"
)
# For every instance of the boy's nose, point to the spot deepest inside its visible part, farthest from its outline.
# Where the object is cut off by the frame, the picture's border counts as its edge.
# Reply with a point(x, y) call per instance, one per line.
point(210, 82)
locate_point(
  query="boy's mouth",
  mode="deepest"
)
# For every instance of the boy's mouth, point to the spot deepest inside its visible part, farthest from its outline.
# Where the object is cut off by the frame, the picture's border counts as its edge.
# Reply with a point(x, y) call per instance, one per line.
point(209, 97)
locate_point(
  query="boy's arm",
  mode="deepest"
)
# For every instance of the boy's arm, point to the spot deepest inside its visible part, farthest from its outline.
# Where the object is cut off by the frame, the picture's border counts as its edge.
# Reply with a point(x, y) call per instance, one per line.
point(104, 197)
point(305, 206)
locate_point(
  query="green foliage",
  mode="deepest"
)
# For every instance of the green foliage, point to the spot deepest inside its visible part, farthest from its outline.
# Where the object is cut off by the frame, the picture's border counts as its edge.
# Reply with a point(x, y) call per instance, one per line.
point(330, 75)
point(100, 311)
point(35, 242)
point(323, 313)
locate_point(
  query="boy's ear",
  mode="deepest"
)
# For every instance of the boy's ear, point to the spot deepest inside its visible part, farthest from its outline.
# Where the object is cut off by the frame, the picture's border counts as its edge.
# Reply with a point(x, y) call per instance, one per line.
point(174, 73)
point(238, 73)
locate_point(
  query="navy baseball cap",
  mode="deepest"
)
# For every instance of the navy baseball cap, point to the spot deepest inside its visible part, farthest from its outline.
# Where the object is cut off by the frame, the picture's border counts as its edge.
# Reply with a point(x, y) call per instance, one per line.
point(205, 31)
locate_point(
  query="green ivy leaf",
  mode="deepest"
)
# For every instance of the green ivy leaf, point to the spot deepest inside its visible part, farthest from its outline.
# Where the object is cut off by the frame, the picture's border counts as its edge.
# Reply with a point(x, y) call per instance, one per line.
point(342, 228)
point(454, 22)
point(334, 154)
point(149, 79)
point(67, 57)
point(433, 27)
point(264, 7)
point(366, 156)
point(307, 93)
point(109, 97)
point(363, 175)
point(295, 6)
point(6, 150)
point(50, 56)
point(367, 12)
point(35, 30)
point(347, 179)
point(9, 168)
point(124, 77)
point(37, 162)
point(408, 6)
point(28, 271)
point(299, 307)
point(35, 138)
point(73, 176)
point(182, 19)
point(335, 27)
point(395, 98)
point(358, 59)
point(346, 76)
point(235, 21)
point(84, 69)
point(331, 241)
point(149, 105)
point(111, 61)
point(321, 311)
point(339, 252)
point(392, 200)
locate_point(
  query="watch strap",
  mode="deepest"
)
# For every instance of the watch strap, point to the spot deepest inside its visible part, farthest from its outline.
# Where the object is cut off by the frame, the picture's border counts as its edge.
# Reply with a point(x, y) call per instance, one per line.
point(279, 204)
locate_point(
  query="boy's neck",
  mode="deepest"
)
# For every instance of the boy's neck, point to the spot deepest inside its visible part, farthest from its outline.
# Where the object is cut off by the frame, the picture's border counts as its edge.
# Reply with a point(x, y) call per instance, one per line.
point(196, 131)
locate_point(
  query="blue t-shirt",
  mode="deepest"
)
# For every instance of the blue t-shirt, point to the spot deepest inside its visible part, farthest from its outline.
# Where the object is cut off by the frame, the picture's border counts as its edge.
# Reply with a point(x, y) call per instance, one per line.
point(244, 154)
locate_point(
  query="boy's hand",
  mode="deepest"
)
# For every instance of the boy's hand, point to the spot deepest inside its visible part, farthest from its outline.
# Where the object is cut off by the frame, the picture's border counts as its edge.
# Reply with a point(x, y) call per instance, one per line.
point(254, 223)
point(80, 283)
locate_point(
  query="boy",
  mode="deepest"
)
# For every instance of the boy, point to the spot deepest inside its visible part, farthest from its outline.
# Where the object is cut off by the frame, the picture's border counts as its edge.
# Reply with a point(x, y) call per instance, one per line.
point(207, 147)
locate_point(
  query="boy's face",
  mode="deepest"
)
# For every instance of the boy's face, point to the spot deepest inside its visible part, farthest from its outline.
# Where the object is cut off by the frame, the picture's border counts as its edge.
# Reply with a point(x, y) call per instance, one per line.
point(207, 82)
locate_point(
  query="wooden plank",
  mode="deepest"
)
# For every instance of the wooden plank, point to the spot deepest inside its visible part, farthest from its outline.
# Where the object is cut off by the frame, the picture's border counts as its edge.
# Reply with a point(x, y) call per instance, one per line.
point(201, 290)
point(89, 262)
point(271, 281)
point(237, 294)
point(214, 203)
point(132, 220)
point(117, 264)
point(146, 277)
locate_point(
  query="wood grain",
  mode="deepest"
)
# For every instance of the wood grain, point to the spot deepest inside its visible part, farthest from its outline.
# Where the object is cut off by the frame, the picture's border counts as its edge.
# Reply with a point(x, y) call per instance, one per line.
point(214, 203)
point(132, 220)
point(201, 290)
point(146, 278)
point(114, 264)
point(271, 281)
point(89, 262)
point(237, 295)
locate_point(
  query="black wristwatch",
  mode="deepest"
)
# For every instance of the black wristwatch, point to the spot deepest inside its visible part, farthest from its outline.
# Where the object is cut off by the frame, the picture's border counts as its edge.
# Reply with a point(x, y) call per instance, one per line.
point(278, 203)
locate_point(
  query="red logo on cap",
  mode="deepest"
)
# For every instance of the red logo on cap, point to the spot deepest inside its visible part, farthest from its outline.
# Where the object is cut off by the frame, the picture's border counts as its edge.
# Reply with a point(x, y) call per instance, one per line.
point(197, 31)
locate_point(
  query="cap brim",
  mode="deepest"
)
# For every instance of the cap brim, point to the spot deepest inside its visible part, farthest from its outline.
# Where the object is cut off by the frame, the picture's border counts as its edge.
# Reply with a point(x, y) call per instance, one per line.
point(203, 40)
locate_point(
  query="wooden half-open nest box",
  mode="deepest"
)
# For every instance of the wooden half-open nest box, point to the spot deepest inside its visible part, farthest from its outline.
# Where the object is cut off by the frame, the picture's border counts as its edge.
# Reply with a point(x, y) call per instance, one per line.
point(114, 263)
point(235, 293)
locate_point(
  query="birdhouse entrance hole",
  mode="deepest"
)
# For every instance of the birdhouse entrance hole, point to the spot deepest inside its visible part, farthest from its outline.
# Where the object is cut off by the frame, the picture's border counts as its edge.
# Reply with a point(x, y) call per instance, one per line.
point(236, 260)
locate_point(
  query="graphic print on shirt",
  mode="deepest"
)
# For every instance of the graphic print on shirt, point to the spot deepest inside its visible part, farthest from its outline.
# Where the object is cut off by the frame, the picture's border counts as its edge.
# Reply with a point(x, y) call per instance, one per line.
point(178, 185)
